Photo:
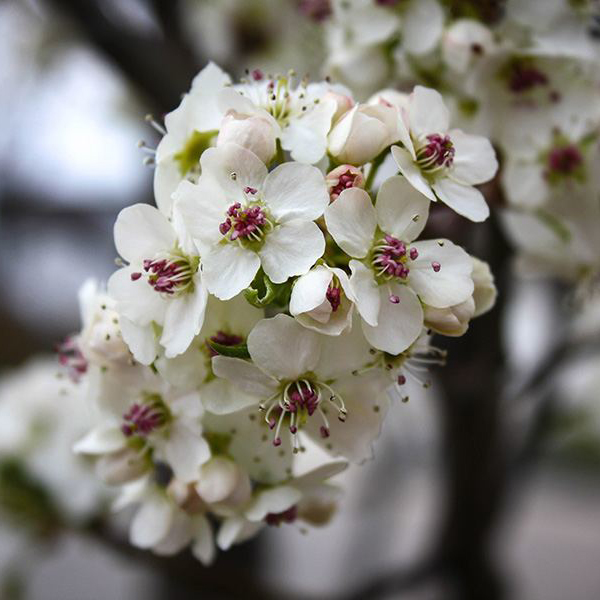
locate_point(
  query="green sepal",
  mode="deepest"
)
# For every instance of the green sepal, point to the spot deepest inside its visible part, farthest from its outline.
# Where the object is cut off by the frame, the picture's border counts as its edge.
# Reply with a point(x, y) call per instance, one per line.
point(263, 292)
point(239, 351)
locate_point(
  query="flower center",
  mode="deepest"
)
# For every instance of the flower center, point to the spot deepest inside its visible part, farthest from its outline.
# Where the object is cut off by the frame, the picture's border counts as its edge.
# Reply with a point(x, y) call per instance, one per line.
point(436, 153)
point(523, 77)
point(287, 516)
point(245, 224)
point(563, 161)
point(170, 274)
point(145, 417)
point(334, 295)
point(391, 258)
point(345, 181)
point(70, 356)
point(298, 400)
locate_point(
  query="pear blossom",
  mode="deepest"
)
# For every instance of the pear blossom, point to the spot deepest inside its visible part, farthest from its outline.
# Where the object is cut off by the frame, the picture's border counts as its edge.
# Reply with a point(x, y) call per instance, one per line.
point(394, 275)
point(161, 286)
point(189, 130)
point(323, 301)
point(243, 218)
point(302, 383)
point(298, 115)
point(343, 177)
point(149, 422)
point(464, 43)
point(444, 164)
point(308, 498)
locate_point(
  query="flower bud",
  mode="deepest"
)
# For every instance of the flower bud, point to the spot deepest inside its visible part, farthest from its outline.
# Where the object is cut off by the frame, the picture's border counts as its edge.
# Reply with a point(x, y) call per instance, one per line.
point(452, 321)
point(485, 291)
point(343, 177)
point(363, 132)
point(121, 466)
point(249, 131)
point(343, 102)
point(222, 481)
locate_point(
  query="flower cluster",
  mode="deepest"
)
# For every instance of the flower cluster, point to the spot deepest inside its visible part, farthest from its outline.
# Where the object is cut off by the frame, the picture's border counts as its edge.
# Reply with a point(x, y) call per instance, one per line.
point(526, 76)
point(273, 301)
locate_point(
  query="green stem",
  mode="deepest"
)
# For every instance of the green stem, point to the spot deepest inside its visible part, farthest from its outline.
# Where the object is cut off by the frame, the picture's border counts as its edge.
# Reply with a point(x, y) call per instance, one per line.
point(375, 164)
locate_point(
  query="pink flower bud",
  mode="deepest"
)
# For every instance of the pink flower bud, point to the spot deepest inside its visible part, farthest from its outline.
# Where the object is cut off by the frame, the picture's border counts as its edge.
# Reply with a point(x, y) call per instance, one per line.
point(342, 178)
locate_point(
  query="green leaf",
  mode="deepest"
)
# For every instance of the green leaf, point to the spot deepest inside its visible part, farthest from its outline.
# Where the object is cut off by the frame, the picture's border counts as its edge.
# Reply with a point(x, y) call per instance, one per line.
point(239, 351)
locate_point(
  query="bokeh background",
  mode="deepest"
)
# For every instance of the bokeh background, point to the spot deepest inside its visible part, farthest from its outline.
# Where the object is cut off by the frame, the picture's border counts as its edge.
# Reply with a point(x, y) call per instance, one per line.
point(77, 78)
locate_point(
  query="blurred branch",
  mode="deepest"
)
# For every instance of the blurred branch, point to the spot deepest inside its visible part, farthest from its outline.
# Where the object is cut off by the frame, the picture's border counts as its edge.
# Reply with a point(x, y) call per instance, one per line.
point(160, 68)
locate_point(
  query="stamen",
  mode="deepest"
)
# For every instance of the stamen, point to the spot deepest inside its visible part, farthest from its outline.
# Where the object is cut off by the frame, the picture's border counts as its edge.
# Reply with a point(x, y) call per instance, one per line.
point(155, 124)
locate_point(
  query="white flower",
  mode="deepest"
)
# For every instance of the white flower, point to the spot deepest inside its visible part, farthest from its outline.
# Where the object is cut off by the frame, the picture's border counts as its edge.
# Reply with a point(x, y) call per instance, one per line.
point(242, 218)
point(308, 498)
point(162, 285)
point(444, 164)
point(168, 519)
point(396, 275)
point(323, 301)
point(190, 129)
point(302, 382)
point(149, 422)
point(300, 116)
point(464, 43)
point(561, 166)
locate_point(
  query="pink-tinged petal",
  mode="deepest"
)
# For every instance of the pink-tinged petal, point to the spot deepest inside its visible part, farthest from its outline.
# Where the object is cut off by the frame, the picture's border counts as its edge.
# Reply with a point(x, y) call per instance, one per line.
point(427, 112)
point(295, 191)
point(351, 220)
point(228, 269)
point(402, 211)
point(441, 275)
point(474, 159)
point(366, 292)
point(411, 171)
point(142, 230)
point(400, 319)
point(463, 199)
point(292, 248)
point(283, 348)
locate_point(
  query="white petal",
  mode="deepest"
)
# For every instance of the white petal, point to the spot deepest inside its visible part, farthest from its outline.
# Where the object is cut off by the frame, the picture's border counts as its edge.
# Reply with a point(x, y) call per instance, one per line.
point(167, 177)
point(367, 406)
point(422, 26)
point(275, 500)
point(207, 115)
point(427, 112)
point(183, 319)
point(151, 522)
point(365, 290)
point(222, 397)
point(306, 136)
point(400, 324)
point(140, 231)
point(474, 159)
point(292, 248)
point(283, 348)
point(524, 184)
point(402, 211)
point(229, 159)
point(141, 340)
point(217, 479)
point(463, 199)
point(352, 220)
point(411, 171)
point(309, 290)
point(136, 300)
point(178, 537)
point(203, 206)
point(203, 547)
point(320, 474)
point(295, 191)
point(451, 284)
point(234, 530)
point(100, 440)
point(245, 375)
point(228, 269)
point(185, 451)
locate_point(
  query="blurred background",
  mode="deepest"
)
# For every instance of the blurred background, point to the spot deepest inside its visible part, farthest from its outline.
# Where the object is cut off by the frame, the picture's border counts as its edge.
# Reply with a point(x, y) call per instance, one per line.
point(499, 489)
